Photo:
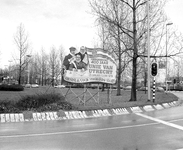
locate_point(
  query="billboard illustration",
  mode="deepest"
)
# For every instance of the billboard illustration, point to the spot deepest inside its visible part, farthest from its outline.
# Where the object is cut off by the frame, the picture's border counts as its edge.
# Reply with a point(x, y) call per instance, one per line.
point(99, 67)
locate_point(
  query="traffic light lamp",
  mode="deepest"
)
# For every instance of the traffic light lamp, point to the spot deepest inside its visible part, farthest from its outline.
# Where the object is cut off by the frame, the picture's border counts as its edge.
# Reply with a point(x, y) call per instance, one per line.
point(154, 69)
point(174, 81)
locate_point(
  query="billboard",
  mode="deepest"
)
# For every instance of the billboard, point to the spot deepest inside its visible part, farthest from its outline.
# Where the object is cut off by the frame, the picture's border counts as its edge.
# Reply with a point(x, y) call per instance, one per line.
point(100, 68)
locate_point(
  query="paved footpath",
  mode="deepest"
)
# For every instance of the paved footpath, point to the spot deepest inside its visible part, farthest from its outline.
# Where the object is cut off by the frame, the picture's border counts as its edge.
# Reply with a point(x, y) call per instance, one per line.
point(63, 115)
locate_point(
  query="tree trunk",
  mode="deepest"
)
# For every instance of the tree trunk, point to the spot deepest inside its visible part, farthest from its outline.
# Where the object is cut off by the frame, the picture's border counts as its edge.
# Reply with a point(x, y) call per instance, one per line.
point(119, 67)
point(134, 80)
point(134, 71)
point(19, 74)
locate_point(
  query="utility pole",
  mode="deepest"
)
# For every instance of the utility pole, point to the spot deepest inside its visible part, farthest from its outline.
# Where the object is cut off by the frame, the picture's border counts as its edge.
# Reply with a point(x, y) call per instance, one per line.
point(166, 78)
point(148, 53)
point(28, 70)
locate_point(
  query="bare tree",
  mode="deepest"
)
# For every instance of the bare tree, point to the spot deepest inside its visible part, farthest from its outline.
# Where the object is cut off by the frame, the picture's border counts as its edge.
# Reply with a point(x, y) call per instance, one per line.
point(42, 64)
point(110, 16)
point(61, 59)
point(127, 19)
point(54, 65)
point(44, 67)
point(21, 41)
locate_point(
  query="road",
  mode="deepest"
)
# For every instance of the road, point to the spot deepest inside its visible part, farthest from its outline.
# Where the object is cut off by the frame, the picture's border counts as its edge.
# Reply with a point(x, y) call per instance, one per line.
point(155, 130)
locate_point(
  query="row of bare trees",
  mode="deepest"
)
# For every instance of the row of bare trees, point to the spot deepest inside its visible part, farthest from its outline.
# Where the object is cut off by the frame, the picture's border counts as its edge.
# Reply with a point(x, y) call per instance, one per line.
point(124, 32)
point(41, 67)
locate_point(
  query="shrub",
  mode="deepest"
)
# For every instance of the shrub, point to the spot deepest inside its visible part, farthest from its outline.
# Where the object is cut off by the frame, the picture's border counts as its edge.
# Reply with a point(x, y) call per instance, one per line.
point(6, 87)
point(39, 102)
point(8, 107)
point(43, 102)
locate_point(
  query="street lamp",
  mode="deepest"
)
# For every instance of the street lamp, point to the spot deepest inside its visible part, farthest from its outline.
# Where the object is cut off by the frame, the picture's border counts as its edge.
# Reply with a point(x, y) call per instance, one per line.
point(28, 81)
point(10, 72)
point(168, 24)
point(148, 52)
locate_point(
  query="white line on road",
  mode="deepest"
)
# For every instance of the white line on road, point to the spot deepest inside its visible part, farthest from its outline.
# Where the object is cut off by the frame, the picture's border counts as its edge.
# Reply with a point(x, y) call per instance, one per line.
point(82, 131)
point(161, 121)
point(73, 132)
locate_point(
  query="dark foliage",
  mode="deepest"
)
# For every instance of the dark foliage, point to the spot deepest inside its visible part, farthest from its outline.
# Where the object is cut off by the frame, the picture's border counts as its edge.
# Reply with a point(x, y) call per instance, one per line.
point(8, 107)
point(15, 87)
point(39, 102)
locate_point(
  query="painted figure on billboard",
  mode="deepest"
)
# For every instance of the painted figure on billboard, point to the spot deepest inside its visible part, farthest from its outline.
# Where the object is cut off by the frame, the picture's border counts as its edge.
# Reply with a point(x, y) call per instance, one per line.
point(83, 54)
point(69, 58)
point(77, 64)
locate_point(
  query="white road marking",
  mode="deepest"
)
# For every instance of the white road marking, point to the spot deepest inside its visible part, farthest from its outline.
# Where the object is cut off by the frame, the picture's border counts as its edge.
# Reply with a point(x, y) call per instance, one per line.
point(84, 125)
point(73, 132)
point(84, 131)
point(161, 121)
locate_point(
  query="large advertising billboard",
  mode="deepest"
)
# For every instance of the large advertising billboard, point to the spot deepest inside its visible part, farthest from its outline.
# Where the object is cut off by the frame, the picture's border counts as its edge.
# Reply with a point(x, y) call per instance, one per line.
point(100, 68)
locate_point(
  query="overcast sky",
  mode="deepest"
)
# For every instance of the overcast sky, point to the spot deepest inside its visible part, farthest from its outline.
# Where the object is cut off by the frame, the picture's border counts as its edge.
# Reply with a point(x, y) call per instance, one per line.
point(174, 10)
point(55, 23)
point(47, 22)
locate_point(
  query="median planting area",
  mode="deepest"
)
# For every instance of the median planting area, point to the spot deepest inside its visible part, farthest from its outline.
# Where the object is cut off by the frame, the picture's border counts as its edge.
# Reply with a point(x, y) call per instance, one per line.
point(44, 99)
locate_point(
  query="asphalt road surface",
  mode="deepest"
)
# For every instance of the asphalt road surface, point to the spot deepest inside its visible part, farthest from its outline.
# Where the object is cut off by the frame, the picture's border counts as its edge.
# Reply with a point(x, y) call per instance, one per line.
point(155, 130)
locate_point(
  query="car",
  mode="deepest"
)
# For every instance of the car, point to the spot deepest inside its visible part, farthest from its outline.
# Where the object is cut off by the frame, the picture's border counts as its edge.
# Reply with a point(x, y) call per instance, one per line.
point(59, 86)
point(128, 87)
point(34, 85)
point(28, 86)
point(160, 89)
point(115, 87)
point(95, 85)
point(143, 88)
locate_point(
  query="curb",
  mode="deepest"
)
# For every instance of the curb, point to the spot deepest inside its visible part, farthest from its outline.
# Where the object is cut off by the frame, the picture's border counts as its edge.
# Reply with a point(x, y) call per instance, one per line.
point(68, 115)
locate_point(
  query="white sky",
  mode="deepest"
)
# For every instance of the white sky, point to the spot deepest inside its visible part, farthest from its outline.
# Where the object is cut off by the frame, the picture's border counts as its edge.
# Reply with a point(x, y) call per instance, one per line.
point(47, 22)
point(174, 10)
point(55, 23)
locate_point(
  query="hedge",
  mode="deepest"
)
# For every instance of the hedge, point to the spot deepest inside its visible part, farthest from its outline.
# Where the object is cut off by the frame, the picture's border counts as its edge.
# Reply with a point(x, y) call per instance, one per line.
point(13, 87)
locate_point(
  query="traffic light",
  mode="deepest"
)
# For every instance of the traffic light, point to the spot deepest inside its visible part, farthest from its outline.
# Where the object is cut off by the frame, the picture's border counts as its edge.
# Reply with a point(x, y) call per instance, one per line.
point(174, 81)
point(154, 69)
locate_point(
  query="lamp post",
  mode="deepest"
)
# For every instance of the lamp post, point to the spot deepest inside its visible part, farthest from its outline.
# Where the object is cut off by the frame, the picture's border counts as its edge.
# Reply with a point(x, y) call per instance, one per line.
point(148, 53)
point(28, 71)
point(10, 74)
point(168, 24)
point(177, 72)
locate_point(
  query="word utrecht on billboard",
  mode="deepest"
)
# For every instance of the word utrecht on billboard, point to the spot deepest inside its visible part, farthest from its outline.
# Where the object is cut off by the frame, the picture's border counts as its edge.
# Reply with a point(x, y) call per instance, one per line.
point(101, 68)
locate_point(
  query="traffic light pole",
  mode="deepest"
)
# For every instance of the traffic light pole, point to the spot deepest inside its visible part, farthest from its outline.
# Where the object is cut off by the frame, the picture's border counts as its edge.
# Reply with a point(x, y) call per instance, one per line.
point(154, 89)
point(154, 71)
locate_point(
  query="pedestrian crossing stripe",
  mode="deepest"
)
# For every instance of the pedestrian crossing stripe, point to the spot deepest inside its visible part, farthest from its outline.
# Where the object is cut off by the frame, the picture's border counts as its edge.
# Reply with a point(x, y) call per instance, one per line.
point(3, 118)
point(166, 105)
point(171, 104)
point(12, 117)
point(148, 108)
point(68, 115)
point(158, 106)
point(120, 111)
point(136, 109)
point(21, 117)
point(43, 115)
